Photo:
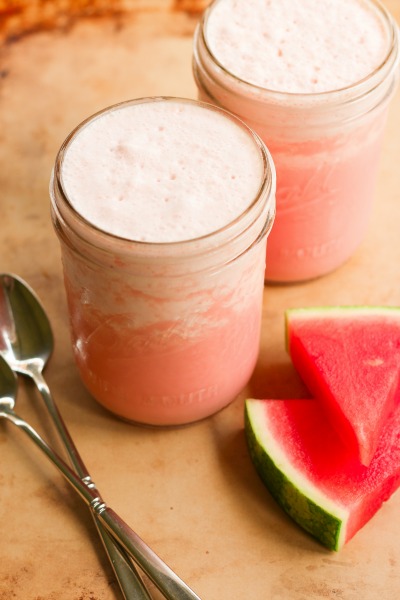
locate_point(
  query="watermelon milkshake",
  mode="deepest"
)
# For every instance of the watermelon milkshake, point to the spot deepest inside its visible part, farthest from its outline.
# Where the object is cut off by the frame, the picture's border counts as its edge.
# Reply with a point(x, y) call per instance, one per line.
point(314, 79)
point(163, 207)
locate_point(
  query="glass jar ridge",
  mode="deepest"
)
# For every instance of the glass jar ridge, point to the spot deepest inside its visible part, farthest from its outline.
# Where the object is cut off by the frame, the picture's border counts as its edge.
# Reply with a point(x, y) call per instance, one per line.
point(326, 109)
point(201, 253)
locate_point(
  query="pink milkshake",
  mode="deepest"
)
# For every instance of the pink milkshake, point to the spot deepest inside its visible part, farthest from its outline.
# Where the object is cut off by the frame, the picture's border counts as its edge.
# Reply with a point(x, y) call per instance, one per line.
point(314, 79)
point(163, 207)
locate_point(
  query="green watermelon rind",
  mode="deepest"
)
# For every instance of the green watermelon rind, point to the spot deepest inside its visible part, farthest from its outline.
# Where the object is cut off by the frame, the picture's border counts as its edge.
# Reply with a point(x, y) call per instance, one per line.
point(352, 309)
point(308, 506)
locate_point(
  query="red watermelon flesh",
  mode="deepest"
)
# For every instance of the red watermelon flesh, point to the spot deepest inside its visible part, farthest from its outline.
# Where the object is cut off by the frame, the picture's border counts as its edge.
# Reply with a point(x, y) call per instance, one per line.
point(315, 478)
point(349, 358)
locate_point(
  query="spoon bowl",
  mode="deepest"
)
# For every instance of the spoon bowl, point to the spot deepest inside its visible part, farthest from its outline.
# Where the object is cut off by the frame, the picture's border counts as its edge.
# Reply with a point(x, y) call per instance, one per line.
point(8, 386)
point(26, 337)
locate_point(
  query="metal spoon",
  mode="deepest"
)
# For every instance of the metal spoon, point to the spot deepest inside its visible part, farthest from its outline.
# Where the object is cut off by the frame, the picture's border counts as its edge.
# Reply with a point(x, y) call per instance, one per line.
point(26, 342)
point(171, 586)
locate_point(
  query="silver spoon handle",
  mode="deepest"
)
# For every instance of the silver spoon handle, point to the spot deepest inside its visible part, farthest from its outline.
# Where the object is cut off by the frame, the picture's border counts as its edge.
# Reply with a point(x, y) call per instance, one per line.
point(129, 580)
point(33, 369)
point(169, 584)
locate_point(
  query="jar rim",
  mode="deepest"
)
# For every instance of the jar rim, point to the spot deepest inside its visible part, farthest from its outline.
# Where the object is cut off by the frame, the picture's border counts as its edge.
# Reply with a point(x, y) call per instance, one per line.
point(390, 61)
point(266, 187)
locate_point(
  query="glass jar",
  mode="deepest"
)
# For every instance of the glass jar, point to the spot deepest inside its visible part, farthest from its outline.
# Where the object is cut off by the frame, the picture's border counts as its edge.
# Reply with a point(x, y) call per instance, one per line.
point(325, 147)
point(165, 333)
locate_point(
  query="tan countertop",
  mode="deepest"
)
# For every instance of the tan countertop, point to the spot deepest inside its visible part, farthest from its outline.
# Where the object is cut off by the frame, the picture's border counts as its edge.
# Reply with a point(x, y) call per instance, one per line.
point(191, 493)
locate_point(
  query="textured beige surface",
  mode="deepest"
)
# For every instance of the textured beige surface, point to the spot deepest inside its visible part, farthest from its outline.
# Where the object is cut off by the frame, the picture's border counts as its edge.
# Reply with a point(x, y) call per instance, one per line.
point(191, 493)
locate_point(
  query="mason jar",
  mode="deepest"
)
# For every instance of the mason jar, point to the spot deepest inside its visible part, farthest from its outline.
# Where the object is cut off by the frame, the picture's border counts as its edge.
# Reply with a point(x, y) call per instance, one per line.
point(164, 333)
point(325, 147)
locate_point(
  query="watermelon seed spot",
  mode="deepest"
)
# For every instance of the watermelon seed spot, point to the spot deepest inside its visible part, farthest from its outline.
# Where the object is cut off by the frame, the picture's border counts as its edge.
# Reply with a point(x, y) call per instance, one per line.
point(374, 362)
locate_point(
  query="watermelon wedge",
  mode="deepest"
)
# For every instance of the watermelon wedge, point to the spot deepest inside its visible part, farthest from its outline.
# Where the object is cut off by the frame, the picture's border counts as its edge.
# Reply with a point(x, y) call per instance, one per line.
point(312, 475)
point(349, 358)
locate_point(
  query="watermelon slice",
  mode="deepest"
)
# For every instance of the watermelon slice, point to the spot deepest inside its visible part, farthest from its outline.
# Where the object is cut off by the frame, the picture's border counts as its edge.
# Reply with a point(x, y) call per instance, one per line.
point(349, 358)
point(314, 477)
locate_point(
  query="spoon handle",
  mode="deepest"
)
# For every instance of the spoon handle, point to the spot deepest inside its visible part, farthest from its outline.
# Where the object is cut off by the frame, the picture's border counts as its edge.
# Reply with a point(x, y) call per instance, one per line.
point(130, 582)
point(169, 584)
point(25, 329)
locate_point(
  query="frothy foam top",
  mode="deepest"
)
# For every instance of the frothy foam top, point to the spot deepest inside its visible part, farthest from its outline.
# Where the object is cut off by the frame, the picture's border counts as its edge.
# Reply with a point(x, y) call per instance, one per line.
point(162, 171)
point(298, 46)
